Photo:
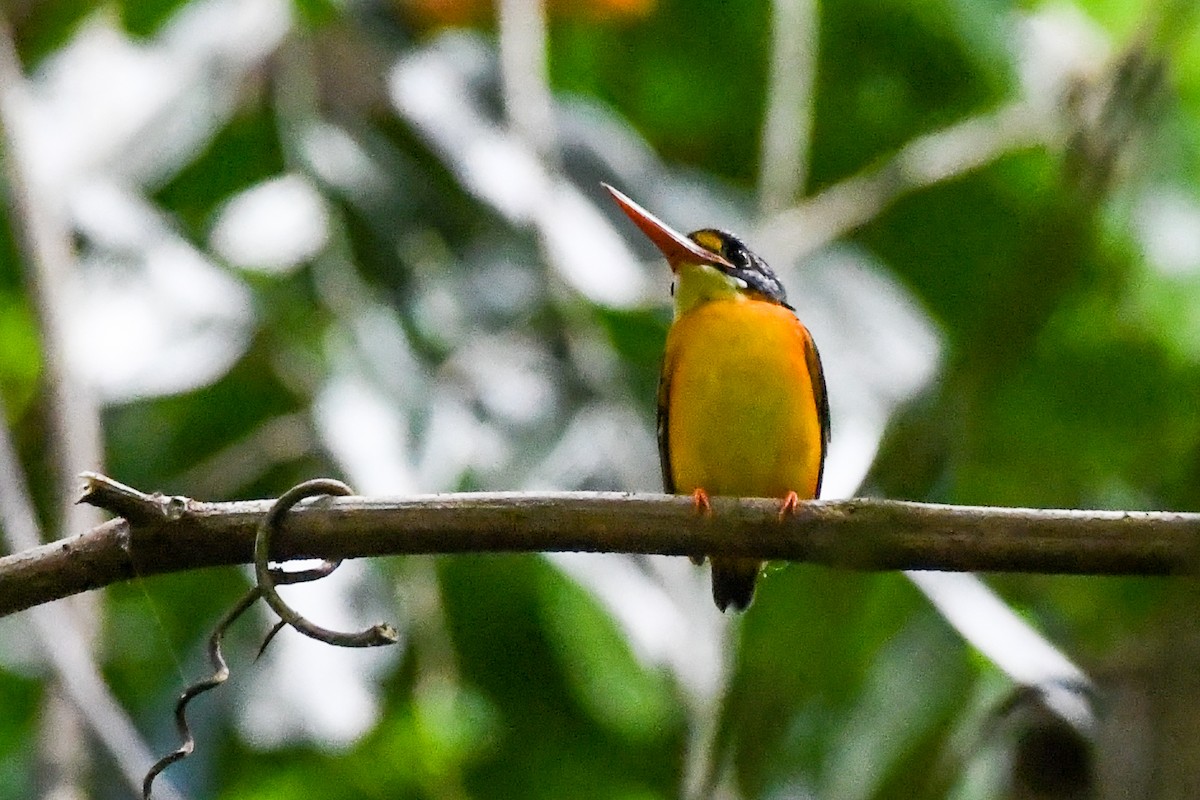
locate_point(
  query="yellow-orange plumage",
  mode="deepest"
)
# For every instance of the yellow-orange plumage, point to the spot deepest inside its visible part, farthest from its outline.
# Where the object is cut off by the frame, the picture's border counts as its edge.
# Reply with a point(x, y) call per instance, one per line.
point(741, 414)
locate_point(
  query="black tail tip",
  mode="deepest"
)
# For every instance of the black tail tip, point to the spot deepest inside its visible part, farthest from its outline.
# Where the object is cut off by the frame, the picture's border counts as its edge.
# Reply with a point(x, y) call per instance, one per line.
point(733, 586)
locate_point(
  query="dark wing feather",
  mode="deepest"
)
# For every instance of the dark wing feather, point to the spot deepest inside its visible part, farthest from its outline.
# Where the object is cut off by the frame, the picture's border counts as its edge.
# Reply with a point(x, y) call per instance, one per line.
point(817, 375)
point(664, 448)
point(664, 445)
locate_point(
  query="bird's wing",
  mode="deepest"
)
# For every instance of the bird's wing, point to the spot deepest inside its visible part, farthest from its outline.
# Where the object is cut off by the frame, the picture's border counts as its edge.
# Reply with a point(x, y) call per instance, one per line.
point(664, 448)
point(817, 375)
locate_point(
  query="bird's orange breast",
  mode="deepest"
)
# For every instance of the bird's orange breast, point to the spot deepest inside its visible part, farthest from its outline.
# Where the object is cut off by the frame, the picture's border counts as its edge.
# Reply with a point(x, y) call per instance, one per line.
point(741, 411)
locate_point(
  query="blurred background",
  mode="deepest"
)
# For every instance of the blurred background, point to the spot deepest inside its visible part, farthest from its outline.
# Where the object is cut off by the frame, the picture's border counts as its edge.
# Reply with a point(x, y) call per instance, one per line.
point(250, 242)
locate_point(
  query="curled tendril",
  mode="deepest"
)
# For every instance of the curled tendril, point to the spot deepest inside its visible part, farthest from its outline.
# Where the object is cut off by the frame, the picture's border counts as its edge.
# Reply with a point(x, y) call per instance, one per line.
point(267, 580)
point(219, 676)
point(374, 636)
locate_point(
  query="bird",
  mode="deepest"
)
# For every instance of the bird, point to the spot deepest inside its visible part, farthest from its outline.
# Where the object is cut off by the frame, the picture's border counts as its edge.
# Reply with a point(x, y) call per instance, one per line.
point(742, 405)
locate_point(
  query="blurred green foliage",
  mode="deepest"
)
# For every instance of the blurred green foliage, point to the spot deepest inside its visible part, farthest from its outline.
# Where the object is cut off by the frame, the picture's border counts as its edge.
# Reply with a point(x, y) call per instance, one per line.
point(1069, 377)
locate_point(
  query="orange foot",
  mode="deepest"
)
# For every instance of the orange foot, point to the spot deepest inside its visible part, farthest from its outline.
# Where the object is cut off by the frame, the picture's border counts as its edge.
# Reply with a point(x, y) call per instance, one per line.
point(790, 502)
point(703, 509)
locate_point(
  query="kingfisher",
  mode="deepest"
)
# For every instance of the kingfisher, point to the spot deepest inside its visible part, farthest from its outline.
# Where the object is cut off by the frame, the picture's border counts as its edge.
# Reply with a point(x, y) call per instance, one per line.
point(742, 408)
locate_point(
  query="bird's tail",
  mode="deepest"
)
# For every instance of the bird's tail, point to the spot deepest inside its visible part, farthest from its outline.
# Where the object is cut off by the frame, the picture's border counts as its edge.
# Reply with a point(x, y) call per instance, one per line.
point(733, 581)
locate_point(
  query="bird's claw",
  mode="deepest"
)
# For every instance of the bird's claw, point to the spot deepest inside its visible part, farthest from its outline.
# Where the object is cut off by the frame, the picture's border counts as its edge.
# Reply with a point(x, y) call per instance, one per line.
point(790, 503)
point(703, 509)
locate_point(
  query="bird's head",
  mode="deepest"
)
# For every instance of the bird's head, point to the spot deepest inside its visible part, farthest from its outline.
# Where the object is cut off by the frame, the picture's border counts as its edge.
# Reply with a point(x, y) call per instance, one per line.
point(709, 264)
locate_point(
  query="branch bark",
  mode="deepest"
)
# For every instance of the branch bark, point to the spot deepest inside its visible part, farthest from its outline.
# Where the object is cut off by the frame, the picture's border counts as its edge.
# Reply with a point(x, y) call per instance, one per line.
point(157, 534)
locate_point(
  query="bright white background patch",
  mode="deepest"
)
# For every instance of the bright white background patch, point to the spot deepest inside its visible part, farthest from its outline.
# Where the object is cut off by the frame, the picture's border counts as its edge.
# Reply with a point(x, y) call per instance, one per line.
point(273, 227)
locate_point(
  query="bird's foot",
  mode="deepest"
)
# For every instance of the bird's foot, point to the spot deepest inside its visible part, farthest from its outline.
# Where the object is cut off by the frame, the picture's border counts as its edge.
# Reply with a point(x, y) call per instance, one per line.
point(703, 509)
point(790, 503)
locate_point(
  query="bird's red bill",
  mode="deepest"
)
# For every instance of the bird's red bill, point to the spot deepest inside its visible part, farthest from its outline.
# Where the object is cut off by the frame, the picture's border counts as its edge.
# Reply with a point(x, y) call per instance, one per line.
point(676, 247)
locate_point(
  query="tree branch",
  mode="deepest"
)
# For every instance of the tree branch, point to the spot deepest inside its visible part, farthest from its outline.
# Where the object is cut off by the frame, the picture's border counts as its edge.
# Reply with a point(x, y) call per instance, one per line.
point(171, 534)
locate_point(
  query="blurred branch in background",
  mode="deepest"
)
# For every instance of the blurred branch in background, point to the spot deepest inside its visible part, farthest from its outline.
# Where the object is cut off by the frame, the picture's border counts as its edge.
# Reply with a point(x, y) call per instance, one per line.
point(924, 162)
point(528, 103)
point(46, 240)
point(787, 126)
point(68, 631)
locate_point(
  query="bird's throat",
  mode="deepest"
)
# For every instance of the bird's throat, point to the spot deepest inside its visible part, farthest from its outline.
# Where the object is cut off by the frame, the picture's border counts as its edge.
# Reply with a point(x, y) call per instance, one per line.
point(696, 284)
